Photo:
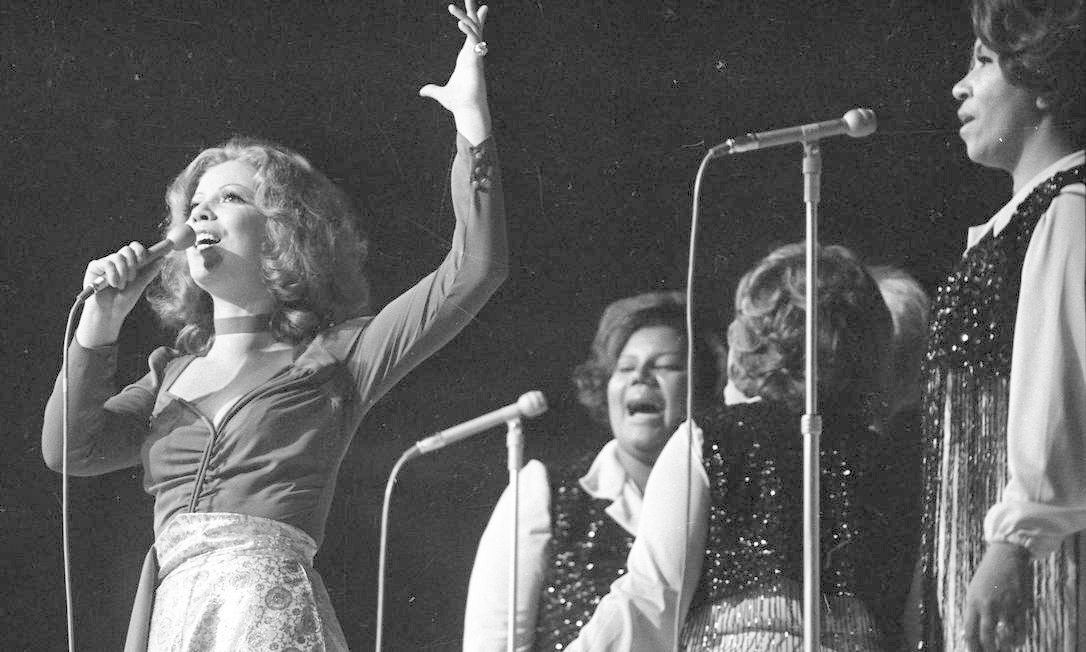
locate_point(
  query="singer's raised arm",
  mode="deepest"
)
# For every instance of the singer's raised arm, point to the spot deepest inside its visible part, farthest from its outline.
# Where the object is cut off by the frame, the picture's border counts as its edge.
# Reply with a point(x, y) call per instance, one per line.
point(424, 318)
point(241, 426)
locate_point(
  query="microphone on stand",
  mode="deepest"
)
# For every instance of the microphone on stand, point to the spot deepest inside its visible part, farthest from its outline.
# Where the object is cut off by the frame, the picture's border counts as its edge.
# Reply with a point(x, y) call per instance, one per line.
point(531, 404)
point(856, 123)
point(179, 237)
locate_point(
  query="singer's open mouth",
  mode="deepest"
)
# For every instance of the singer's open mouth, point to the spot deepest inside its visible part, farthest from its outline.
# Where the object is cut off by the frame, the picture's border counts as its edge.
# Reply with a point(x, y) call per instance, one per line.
point(205, 240)
point(643, 406)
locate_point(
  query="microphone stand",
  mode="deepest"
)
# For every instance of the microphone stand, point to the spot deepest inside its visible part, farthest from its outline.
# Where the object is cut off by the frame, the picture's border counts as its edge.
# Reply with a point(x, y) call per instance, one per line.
point(811, 422)
point(856, 123)
point(514, 441)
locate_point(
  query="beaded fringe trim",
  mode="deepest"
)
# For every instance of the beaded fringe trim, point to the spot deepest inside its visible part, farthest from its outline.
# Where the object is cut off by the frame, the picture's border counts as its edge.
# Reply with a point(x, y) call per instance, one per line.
point(973, 466)
point(771, 618)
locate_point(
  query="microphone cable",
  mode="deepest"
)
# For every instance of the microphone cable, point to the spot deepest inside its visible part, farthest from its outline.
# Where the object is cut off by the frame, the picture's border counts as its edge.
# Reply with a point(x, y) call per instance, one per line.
point(64, 502)
point(690, 275)
point(407, 454)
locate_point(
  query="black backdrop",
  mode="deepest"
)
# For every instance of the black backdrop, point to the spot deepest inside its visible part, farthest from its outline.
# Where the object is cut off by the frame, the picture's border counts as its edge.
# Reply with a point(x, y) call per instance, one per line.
point(603, 111)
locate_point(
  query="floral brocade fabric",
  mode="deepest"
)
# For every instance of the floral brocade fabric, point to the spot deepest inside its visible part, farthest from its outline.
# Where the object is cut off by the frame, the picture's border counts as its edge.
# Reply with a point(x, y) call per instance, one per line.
point(587, 552)
point(238, 583)
point(966, 401)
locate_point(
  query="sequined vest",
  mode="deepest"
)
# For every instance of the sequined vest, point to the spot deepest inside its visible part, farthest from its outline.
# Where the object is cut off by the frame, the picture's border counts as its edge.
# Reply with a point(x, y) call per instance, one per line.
point(967, 367)
point(753, 455)
point(587, 552)
point(972, 326)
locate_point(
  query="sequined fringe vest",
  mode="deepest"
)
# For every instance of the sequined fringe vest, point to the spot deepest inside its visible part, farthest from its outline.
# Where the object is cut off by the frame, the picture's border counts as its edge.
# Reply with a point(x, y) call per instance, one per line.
point(587, 552)
point(753, 560)
point(966, 371)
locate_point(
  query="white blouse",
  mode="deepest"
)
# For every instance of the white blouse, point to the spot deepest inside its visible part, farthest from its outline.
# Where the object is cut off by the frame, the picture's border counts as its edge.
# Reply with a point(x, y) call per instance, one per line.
point(486, 614)
point(1045, 497)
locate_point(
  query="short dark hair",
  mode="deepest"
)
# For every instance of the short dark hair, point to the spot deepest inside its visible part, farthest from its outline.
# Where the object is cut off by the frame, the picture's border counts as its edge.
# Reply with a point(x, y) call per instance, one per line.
point(766, 350)
point(623, 318)
point(1041, 47)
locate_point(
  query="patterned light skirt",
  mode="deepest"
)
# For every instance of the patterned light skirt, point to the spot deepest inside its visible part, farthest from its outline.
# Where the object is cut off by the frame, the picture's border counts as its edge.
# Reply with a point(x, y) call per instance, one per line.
point(230, 582)
point(770, 619)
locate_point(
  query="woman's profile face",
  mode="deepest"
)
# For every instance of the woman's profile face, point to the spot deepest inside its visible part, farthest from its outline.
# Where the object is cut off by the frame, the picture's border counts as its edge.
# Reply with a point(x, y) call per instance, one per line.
point(646, 394)
point(997, 116)
point(230, 229)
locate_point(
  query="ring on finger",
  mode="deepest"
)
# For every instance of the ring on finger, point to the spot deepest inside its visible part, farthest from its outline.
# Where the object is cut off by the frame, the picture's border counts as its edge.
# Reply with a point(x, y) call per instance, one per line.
point(481, 48)
point(1003, 631)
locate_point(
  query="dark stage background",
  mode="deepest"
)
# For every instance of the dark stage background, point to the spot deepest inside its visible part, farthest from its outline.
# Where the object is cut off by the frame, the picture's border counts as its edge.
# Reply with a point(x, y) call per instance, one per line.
point(602, 110)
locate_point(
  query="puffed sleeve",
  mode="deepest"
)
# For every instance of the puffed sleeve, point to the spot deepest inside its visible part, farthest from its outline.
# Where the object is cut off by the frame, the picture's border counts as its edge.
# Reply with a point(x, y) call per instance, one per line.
point(380, 350)
point(106, 428)
point(486, 614)
point(1045, 497)
point(644, 607)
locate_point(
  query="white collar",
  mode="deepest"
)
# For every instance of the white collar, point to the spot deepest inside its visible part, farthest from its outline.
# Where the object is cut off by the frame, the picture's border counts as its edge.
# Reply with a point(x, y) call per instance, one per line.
point(607, 479)
point(1000, 219)
point(735, 396)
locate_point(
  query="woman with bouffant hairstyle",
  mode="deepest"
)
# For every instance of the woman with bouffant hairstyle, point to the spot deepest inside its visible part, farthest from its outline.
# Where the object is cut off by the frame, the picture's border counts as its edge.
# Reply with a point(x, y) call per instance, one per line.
point(1040, 46)
point(765, 339)
point(719, 558)
point(620, 320)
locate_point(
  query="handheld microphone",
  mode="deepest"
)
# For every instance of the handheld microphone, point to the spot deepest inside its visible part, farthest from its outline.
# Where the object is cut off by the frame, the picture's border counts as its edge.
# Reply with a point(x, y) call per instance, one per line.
point(531, 404)
point(856, 123)
point(179, 237)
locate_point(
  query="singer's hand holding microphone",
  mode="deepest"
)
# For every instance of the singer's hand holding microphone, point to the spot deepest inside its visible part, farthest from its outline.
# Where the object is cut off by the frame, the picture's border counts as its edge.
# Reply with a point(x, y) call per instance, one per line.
point(134, 262)
point(117, 281)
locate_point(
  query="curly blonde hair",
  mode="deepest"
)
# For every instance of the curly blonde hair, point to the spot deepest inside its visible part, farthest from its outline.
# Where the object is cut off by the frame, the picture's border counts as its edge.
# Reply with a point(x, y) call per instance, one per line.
point(313, 255)
point(766, 351)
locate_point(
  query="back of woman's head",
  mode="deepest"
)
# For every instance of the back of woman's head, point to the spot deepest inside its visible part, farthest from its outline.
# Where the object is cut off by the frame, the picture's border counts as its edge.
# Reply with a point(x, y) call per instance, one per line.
point(1041, 46)
point(766, 338)
point(312, 259)
point(620, 320)
point(910, 308)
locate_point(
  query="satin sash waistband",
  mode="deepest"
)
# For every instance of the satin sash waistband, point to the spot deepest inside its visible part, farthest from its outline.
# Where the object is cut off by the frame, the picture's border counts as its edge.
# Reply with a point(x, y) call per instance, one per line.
point(188, 536)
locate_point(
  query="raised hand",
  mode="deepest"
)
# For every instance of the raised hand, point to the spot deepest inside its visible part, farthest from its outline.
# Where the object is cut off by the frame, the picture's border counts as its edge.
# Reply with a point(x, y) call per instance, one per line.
point(464, 94)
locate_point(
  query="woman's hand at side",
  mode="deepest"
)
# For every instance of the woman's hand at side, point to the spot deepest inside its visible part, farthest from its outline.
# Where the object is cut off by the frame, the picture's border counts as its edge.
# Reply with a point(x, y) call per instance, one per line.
point(997, 599)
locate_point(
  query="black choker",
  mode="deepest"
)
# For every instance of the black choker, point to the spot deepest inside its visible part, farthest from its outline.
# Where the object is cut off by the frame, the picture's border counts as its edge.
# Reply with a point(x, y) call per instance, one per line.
point(243, 324)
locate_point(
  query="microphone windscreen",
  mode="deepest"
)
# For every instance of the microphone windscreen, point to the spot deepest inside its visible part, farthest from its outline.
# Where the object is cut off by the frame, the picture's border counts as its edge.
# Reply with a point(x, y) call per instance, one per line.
point(532, 404)
point(181, 236)
point(861, 122)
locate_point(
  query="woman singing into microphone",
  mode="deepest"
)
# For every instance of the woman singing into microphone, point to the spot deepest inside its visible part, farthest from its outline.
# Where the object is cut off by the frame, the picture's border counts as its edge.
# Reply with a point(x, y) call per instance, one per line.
point(241, 427)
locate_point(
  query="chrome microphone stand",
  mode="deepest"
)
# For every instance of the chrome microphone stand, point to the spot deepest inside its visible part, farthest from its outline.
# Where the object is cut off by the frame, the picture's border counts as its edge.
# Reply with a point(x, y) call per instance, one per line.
point(856, 123)
point(811, 422)
point(514, 441)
